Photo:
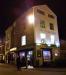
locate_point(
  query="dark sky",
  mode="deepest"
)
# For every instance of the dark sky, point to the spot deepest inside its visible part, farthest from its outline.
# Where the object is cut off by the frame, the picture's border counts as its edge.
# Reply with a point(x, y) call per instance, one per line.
point(12, 9)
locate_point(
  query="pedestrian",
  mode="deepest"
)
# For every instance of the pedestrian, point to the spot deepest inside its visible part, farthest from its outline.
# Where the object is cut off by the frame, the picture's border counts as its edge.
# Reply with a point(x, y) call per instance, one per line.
point(18, 63)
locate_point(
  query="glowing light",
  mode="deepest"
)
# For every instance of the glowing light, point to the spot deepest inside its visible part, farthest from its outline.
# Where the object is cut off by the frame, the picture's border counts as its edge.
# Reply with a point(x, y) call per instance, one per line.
point(13, 49)
point(43, 35)
point(42, 41)
point(38, 44)
point(23, 40)
point(46, 53)
point(57, 44)
point(22, 54)
point(30, 52)
point(56, 54)
point(31, 19)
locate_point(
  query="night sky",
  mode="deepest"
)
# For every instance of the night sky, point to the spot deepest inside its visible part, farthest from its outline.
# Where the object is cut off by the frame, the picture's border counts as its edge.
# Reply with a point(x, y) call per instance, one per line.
point(10, 10)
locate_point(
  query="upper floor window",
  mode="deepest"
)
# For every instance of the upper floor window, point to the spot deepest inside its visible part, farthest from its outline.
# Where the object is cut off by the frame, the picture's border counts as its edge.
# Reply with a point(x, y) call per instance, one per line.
point(51, 26)
point(40, 12)
point(42, 24)
point(50, 16)
point(23, 40)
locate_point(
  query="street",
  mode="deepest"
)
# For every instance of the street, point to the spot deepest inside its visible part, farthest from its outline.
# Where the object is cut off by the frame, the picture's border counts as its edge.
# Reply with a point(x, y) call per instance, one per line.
point(6, 69)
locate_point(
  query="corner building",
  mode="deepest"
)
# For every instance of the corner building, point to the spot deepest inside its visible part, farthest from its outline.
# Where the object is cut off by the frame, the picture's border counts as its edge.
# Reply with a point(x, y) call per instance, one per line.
point(34, 35)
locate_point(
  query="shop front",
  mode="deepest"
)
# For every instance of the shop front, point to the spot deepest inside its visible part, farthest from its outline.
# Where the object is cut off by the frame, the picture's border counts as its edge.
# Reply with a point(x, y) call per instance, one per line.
point(10, 57)
point(26, 57)
point(47, 55)
point(44, 55)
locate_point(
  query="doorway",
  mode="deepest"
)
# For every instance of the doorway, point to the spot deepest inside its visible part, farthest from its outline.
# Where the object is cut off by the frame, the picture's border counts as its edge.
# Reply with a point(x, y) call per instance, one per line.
point(30, 58)
point(47, 55)
point(26, 58)
point(22, 59)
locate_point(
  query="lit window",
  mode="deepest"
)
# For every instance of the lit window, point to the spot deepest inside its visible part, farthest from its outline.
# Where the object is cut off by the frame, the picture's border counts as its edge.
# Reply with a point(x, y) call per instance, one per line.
point(22, 54)
point(42, 24)
point(51, 26)
point(30, 52)
point(43, 35)
point(47, 55)
point(42, 41)
point(23, 40)
point(52, 39)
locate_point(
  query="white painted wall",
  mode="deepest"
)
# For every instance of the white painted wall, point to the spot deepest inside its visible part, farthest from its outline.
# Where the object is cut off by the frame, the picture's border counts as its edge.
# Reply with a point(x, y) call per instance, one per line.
point(47, 20)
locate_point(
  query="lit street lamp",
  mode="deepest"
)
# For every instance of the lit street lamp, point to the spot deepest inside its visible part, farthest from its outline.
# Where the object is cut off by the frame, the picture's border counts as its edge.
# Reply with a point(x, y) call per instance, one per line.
point(31, 19)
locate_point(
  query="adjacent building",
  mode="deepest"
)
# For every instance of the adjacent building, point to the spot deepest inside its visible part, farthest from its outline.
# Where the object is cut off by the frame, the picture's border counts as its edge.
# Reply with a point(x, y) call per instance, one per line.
point(34, 35)
point(63, 49)
point(2, 49)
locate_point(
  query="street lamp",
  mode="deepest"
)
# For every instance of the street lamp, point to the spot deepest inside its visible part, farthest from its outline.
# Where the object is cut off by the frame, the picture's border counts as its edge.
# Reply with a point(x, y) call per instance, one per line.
point(31, 19)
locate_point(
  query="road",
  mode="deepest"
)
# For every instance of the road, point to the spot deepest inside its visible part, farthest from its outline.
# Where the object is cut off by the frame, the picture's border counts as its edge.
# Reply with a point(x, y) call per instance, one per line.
point(6, 69)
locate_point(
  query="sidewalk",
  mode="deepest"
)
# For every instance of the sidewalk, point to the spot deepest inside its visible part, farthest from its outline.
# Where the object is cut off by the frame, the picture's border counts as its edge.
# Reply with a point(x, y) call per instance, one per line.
point(31, 68)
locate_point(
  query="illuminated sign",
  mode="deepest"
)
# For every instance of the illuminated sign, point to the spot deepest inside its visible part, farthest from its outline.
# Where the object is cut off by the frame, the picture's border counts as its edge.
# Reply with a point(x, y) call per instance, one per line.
point(13, 49)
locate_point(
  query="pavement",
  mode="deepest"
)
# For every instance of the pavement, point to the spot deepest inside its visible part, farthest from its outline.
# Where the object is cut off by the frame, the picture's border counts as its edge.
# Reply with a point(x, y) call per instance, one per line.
point(6, 69)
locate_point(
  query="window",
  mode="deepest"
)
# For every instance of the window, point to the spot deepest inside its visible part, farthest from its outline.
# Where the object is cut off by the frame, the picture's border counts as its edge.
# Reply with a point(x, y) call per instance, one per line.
point(51, 26)
point(42, 24)
point(46, 55)
point(50, 16)
point(52, 39)
point(42, 36)
point(40, 12)
point(23, 40)
point(22, 54)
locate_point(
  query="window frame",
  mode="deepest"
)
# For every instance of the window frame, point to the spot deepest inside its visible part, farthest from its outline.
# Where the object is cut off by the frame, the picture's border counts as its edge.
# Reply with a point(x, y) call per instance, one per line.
point(23, 40)
point(51, 26)
point(42, 24)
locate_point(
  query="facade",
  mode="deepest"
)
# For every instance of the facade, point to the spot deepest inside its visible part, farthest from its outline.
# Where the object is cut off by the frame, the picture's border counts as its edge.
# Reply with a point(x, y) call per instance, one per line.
point(34, 35)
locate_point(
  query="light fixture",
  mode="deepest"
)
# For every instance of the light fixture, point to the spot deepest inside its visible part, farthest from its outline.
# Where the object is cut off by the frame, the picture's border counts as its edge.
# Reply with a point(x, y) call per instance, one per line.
point(56, 54)
point(13, 49)
point(23, 40)
point(57, 44)
point(30, 19)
